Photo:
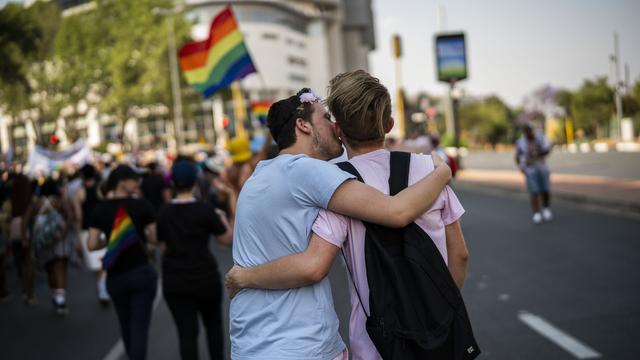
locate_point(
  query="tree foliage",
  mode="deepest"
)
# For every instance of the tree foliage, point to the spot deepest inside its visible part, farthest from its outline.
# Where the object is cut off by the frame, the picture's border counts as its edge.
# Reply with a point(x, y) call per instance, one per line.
point(120, 51)
point(592, 106)
point(486, 121)
point(112, 56)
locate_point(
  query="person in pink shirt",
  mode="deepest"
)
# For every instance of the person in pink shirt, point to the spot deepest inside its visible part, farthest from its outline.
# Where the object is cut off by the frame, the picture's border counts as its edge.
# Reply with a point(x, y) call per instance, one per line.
point(362, 108)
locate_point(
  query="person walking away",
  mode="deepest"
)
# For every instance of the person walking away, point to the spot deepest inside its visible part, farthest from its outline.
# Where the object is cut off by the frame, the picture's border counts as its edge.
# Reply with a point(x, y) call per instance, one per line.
point(129, 225)
point(85, 201)
point(154, 187)
point(20, 199)
point(5, 211)
point(191, 282)
point(44, 233)
point(532, 150)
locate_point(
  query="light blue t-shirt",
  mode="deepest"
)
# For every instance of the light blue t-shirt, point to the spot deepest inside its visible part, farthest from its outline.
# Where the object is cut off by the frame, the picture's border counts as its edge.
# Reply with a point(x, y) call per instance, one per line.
point(276, 209)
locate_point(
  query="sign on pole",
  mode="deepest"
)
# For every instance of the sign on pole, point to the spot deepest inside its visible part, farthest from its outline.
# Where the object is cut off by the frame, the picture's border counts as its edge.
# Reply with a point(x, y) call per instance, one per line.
point(451, 57)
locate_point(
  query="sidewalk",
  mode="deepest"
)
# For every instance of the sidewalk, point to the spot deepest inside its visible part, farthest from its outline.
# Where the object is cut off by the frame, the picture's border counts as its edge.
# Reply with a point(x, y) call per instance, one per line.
point(610, 193)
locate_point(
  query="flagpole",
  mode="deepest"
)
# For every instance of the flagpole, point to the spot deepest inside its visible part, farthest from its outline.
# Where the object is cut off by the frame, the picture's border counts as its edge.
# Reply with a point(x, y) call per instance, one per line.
point(239, 109)
point(218, 114)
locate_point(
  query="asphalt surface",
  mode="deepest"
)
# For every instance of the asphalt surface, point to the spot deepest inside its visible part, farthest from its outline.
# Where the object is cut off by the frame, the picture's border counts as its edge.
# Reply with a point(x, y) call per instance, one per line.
point(610, 164)
point(578, 273)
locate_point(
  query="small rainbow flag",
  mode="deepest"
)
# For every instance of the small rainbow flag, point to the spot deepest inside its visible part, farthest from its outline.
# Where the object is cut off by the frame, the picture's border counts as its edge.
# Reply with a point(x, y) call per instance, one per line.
point(260, 109)
point(123, 236)
point(214, 63)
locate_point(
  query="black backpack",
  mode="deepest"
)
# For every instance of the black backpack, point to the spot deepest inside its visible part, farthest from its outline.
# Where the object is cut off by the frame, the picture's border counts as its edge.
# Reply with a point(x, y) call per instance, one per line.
point(416, 309)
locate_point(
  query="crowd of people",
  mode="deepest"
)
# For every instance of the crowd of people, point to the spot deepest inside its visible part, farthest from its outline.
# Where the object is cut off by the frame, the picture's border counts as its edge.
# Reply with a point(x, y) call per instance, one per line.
point(112, 219)
point(286, 212)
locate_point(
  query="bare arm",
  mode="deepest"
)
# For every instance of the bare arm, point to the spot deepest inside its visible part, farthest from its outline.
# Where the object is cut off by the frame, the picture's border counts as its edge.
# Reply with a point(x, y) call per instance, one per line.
point(227, 194)
point(296, 270)
point(225, 239)
point(457, 253)
point(152, 234)
point(26, 221)
point(166, 195)
point(361, 201)
point(77, 206)
point(93, 241)
point(245, 174)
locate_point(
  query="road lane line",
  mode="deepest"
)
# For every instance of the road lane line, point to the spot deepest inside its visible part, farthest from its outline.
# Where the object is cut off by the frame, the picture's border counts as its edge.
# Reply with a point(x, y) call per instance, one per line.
point(557, 336)
point(117, 350)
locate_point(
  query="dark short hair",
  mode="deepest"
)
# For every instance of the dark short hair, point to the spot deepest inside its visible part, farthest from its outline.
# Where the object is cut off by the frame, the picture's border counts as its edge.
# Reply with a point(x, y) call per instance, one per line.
point(88, 171)
point(121, 173)
point(282, 116)
point(184, 174)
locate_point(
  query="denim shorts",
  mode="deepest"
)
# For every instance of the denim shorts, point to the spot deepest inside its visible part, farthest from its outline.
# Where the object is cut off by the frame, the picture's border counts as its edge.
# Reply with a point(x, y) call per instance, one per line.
point(538, 181)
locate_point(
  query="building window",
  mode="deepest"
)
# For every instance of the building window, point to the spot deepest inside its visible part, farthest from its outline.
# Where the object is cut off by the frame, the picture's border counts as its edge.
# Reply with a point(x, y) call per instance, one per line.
point(269, 36)
point(294, 60)
point(298, 78)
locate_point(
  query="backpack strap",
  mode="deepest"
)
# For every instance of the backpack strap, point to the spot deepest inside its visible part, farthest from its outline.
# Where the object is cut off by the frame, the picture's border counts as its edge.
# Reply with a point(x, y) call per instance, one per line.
point(399, 174)
point(348, 167)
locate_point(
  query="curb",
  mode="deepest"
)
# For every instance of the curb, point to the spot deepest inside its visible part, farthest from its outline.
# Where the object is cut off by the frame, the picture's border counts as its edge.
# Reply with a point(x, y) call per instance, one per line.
point(612, 207)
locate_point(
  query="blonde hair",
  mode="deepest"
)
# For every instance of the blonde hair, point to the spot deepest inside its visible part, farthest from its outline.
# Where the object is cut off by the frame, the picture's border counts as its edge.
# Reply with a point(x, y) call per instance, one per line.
point(362, 107)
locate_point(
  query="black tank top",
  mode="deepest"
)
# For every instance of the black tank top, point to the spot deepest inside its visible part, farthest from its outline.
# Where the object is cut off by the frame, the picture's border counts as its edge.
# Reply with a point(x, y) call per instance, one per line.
point(90, 202)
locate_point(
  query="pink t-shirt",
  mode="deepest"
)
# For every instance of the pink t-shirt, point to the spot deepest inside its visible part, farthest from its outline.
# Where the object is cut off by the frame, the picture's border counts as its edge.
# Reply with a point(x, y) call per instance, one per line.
point(338, 229)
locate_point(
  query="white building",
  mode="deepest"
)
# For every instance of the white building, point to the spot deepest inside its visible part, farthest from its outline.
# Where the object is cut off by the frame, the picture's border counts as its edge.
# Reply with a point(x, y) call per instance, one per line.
point(293, 43)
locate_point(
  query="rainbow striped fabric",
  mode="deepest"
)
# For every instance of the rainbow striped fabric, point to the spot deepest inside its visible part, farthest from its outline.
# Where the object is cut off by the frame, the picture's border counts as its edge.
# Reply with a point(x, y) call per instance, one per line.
point(214, 63)
point(123, 236)
point(260, 109)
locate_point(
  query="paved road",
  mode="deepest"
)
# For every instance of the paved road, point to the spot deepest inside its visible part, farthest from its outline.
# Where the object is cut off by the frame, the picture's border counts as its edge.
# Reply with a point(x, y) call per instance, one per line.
point(577, 275)
point(611, 164)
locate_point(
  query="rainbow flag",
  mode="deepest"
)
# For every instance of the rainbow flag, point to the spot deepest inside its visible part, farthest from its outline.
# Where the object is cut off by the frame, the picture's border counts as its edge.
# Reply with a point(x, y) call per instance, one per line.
point(260, 109)
point(123, 236)
point(214, 63)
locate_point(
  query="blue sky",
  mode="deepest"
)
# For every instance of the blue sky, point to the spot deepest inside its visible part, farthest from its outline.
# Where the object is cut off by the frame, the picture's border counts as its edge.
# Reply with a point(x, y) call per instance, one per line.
point(514, 46)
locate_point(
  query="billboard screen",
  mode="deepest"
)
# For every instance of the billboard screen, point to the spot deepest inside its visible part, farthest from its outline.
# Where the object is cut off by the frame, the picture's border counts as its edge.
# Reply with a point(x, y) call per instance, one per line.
point(451, 57)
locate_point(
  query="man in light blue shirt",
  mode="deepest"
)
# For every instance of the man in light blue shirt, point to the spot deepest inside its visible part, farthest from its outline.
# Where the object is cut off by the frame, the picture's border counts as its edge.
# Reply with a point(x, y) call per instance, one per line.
point(276, 209)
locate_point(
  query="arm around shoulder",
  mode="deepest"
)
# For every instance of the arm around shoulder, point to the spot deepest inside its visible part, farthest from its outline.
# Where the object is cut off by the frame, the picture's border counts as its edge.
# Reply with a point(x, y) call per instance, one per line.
point(296, 270)
point(364, 202)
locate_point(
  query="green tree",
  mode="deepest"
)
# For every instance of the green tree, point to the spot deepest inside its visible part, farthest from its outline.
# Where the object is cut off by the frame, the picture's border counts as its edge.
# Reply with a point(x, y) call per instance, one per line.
point(118, 53)
point(136, 40)
point(18, 41)
point(25, 76)
point(488, 121)
point(632, 105)
point(592, 107)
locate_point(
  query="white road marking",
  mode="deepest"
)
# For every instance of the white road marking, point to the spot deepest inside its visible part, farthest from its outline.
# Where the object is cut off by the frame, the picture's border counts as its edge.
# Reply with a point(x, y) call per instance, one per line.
point(557, 336)
point(117, 350)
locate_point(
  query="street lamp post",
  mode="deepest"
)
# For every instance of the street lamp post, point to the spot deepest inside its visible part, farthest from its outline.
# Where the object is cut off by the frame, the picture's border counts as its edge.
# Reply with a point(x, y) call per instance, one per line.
point(615, 58)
